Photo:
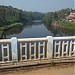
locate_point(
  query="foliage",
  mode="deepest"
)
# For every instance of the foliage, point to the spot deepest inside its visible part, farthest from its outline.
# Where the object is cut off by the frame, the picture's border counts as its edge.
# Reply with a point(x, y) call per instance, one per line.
point(37, 15)
point(10, 26)
point(10, 15)
point(52, 63)
point(48, 19)
point(57, 15)
point(65, 24)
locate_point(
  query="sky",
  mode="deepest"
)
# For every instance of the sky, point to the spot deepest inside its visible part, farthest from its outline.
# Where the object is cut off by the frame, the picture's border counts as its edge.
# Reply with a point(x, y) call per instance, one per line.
point(74, 4)
point(39, 5)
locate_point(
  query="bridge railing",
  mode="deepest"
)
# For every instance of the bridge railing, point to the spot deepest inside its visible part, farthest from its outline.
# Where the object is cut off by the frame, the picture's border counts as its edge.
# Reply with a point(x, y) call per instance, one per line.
point(33, 48)
point(5, 50)
point(36, 48)
point(64, 47)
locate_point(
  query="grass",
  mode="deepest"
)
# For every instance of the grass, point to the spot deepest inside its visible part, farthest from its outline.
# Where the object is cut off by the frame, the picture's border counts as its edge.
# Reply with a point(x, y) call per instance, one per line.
point(11, 26)
point(52, 63)
point(66, 24)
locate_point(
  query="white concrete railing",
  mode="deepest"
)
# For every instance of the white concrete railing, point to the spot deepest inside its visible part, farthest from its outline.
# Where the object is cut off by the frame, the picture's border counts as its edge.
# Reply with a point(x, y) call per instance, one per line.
point(36, 48)
point(34, 45)
point(66, 47)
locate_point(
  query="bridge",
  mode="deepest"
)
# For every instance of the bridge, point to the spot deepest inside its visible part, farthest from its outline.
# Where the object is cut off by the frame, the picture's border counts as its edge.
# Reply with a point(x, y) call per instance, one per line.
point(30, 51)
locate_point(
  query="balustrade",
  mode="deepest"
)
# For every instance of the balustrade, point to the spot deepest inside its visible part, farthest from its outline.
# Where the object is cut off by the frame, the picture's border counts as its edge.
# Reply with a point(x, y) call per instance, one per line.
point(37, 48)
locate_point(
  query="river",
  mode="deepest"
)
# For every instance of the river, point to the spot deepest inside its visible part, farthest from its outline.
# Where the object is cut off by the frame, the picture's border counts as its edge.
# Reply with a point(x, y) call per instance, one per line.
point(29, 31)
point(37, 29)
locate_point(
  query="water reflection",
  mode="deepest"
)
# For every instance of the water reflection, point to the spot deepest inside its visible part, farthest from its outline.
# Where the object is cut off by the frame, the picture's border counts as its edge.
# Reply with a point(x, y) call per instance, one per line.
point(60, 31)
point(21, 31)
point(15, 30)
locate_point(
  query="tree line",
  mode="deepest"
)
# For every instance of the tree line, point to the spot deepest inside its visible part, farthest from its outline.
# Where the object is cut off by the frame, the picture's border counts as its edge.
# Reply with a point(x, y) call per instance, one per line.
point(10, 15)
point(57, 15)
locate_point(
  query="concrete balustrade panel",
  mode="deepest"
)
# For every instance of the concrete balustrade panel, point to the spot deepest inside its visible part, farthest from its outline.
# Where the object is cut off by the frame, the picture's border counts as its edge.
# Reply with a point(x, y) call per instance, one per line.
point(57, 54)
point(50, 47)
point(14, 49)
point(3, 56)
point(21, 50)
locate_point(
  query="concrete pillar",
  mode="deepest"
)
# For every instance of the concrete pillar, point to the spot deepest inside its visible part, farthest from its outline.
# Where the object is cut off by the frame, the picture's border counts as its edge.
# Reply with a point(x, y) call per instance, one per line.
point(14, 49)
point(50, 47)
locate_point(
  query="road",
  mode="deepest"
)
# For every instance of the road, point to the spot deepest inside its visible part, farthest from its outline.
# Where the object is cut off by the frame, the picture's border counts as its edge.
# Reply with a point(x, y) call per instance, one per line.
point(65, 69)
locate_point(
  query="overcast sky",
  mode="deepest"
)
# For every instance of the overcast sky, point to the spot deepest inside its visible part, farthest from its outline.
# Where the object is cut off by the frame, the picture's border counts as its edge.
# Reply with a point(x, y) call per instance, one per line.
point(39, 5)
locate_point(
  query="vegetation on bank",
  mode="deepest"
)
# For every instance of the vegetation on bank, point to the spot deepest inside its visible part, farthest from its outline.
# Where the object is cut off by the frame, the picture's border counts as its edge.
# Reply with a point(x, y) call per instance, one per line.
point(10, 15)
point(66, 24)
point(52, 17)
point(10, 26)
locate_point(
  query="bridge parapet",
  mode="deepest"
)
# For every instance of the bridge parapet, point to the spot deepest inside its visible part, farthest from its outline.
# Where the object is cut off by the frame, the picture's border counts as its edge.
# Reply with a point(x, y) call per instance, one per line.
point(33, 49)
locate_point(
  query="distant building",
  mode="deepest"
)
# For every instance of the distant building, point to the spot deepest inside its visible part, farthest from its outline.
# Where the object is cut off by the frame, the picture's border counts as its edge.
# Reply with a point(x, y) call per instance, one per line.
point(71, 17)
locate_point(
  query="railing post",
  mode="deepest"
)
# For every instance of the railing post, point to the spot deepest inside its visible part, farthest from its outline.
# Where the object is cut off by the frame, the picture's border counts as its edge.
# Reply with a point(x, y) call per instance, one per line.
point(50, 47)
point(14, 49)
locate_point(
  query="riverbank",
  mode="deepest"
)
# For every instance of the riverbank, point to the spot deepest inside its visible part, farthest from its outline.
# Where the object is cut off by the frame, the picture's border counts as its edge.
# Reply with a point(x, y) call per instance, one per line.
point(59, 69)
point(65, 24)
point(10, 26)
